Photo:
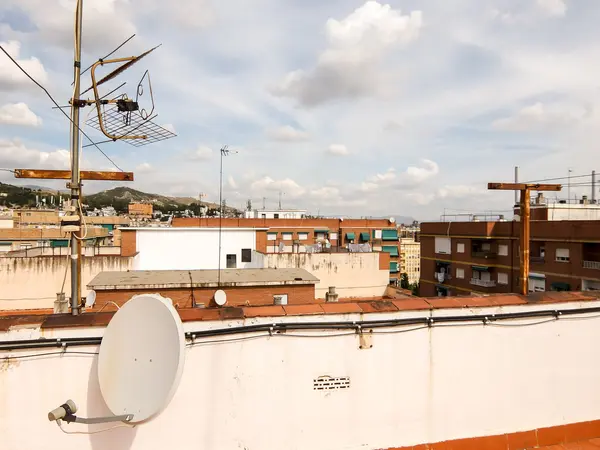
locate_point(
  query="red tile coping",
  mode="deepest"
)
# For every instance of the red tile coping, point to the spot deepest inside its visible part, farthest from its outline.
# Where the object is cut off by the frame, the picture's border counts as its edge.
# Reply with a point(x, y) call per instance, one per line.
point(45, 318)
point(573, 436)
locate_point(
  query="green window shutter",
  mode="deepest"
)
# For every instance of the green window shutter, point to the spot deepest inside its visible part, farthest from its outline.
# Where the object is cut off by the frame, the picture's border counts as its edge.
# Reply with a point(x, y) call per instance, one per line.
point(389, 235)
point(364, 236)
point(350, 236)
point(391, 249)
point(394, 267)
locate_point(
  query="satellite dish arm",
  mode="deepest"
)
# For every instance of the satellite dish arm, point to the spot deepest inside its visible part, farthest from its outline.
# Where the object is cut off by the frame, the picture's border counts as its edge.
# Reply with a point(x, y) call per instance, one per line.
point(67, 411)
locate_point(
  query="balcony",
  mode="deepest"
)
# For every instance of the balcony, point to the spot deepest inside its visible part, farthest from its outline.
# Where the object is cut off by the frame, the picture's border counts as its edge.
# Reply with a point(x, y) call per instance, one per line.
point(591, 265)
point(483, 283)
point(537, 259)
point(442, 276)
point(485, 254)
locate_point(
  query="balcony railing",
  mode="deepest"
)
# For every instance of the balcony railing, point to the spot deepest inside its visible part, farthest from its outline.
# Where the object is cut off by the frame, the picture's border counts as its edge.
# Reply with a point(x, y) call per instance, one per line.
point(444, 276)
point(487, 254)
point(483, 283)
point(591, 265)
point(537, 259)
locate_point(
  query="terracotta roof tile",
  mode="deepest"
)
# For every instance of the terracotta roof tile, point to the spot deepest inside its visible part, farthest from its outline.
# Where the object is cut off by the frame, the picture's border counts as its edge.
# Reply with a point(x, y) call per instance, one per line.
point(8, 322)
point(341, 308)
point(301, 310)
point(507, 300)
point(264, 311)
point(381, 306)
point(475, 302)
point(231, 313)
point(83, 320)
point(411, 304)
point(446, 302)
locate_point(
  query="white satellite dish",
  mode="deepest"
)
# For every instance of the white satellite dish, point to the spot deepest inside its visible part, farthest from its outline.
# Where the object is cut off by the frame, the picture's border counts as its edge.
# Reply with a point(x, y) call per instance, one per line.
point(141, 357)
point(392, 219)
point(90, 299)
point(220, 297)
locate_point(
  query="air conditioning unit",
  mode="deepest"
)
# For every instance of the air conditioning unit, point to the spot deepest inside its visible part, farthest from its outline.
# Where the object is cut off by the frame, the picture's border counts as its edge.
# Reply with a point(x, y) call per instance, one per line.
point(280, 299)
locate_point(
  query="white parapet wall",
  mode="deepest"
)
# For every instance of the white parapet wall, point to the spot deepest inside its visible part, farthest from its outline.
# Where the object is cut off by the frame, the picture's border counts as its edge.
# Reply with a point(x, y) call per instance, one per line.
point(33, 282)
point(425, 385)
point(354, 275)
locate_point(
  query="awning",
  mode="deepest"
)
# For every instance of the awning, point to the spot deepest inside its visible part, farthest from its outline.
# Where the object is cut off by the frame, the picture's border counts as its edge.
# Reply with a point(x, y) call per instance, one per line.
point(560, 286)
point(364, 236)
point(272, 232)
point(482, 268)
point(394, 267)
point(389, 235)
point(349, 236)
point(322, 231)
point(391, 249)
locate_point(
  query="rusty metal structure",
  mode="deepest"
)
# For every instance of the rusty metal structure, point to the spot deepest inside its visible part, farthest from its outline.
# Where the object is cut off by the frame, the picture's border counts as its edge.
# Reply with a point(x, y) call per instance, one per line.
point(525, 224)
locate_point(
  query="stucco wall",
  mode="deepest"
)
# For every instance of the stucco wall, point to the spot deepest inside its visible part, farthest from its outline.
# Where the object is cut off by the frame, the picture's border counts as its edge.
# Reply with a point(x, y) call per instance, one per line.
point(33, 282)
point(177, 249)
point(427, 385)
point(352, 274)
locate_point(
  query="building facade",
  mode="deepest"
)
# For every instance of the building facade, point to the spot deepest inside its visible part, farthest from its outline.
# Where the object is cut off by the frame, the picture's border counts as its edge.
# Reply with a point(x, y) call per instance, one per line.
point(312, 235)
point(140, 210)
point(459, 258)
point(275, 214)
point(410, 259)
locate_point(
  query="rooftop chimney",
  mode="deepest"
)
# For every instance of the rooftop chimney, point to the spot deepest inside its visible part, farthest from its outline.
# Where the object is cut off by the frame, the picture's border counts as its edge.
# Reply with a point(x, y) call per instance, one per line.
point(331, 296)
point(539, 200)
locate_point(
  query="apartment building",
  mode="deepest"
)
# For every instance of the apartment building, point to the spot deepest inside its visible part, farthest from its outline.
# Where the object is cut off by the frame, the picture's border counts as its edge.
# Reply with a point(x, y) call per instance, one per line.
point(140, 210)
point(410, 259)
point(459, 258)
point(315, 235)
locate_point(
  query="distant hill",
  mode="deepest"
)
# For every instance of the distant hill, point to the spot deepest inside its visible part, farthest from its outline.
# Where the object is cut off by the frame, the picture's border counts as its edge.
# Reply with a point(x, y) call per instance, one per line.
point(120, 197)
point(23, 196)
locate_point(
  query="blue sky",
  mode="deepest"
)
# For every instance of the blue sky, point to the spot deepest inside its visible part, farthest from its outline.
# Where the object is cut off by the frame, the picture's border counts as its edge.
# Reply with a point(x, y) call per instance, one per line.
point(348, 107)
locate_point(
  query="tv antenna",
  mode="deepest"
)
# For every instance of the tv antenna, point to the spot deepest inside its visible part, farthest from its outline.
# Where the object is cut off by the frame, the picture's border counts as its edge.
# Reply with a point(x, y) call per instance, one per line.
point(118, 118)
point(140, 363)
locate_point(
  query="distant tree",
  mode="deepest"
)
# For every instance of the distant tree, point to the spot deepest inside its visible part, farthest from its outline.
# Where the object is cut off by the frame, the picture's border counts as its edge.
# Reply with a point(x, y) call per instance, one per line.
point(404, 283)
point(415, 289)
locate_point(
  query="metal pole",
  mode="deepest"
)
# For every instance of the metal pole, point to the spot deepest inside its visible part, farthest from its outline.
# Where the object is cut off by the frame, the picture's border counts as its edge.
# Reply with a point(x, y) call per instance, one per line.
point(75, 176)
point(516, 181)
point(593, 186)
point(223, 150)
point(524, 239)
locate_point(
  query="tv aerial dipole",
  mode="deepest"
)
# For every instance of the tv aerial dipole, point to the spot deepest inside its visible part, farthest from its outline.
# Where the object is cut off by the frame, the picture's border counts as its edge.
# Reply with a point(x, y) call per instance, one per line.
point(118, 118)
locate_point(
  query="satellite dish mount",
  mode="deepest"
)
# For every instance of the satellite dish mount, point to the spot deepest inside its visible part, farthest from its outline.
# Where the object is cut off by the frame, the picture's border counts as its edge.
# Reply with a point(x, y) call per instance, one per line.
point(67, 411)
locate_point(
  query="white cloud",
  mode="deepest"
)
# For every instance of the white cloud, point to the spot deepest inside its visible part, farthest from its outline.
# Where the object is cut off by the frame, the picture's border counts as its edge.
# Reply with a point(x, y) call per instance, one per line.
point(10, 75)
point(337, 150)
point(557, 8)
point(231, 182)
point(202, 153)
point(144, 168)
point(351, 65)
point(18, 114)
point(427, 170)
point(170, 127)
point(459, 191)
point(539, 116)
point(287, 133)
point(14, 154)
point(393, 125)
point(268, 184)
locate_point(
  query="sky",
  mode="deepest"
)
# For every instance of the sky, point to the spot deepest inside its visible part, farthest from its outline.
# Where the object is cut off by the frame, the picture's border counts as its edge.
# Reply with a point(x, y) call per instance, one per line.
point(347, 108)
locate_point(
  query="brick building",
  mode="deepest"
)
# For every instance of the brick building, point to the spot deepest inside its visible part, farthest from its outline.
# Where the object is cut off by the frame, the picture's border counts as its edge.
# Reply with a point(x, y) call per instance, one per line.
point(301, 235)
point(140, 210)
point(458, 258)
point(188, 289)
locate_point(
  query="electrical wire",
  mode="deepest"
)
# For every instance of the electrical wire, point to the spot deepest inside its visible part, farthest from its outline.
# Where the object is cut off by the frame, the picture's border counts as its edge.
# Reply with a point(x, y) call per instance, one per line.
point(559, 178)
point(59, 423)
point(42, 355)
point(59, 108)
point(111, 53)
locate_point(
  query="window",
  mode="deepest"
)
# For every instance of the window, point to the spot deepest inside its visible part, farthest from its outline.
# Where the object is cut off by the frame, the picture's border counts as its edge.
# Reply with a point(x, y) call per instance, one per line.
point(320, 236)
point(502, 251)
point(442, 245)
point(231, 261)
point(377, 234)
point(302, 236)
point(287, 236)
point(276, 216)
point(486, 247)
point(271, 236)
point(562, 254)
point(460, 273)
point(333, 236)
point(460, 248)
point(502, 278)
point(263, 216)
point(246, 255)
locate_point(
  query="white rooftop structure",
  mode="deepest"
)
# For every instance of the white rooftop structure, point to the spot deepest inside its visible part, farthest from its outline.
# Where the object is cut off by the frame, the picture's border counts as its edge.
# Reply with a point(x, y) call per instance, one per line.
point(275, 214)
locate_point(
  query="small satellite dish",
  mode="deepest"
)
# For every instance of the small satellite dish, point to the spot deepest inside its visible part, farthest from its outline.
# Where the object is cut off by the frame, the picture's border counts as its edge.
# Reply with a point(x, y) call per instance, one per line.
point(90, 299)
point(220, 297)
point(141, 357)
point(392, 219)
